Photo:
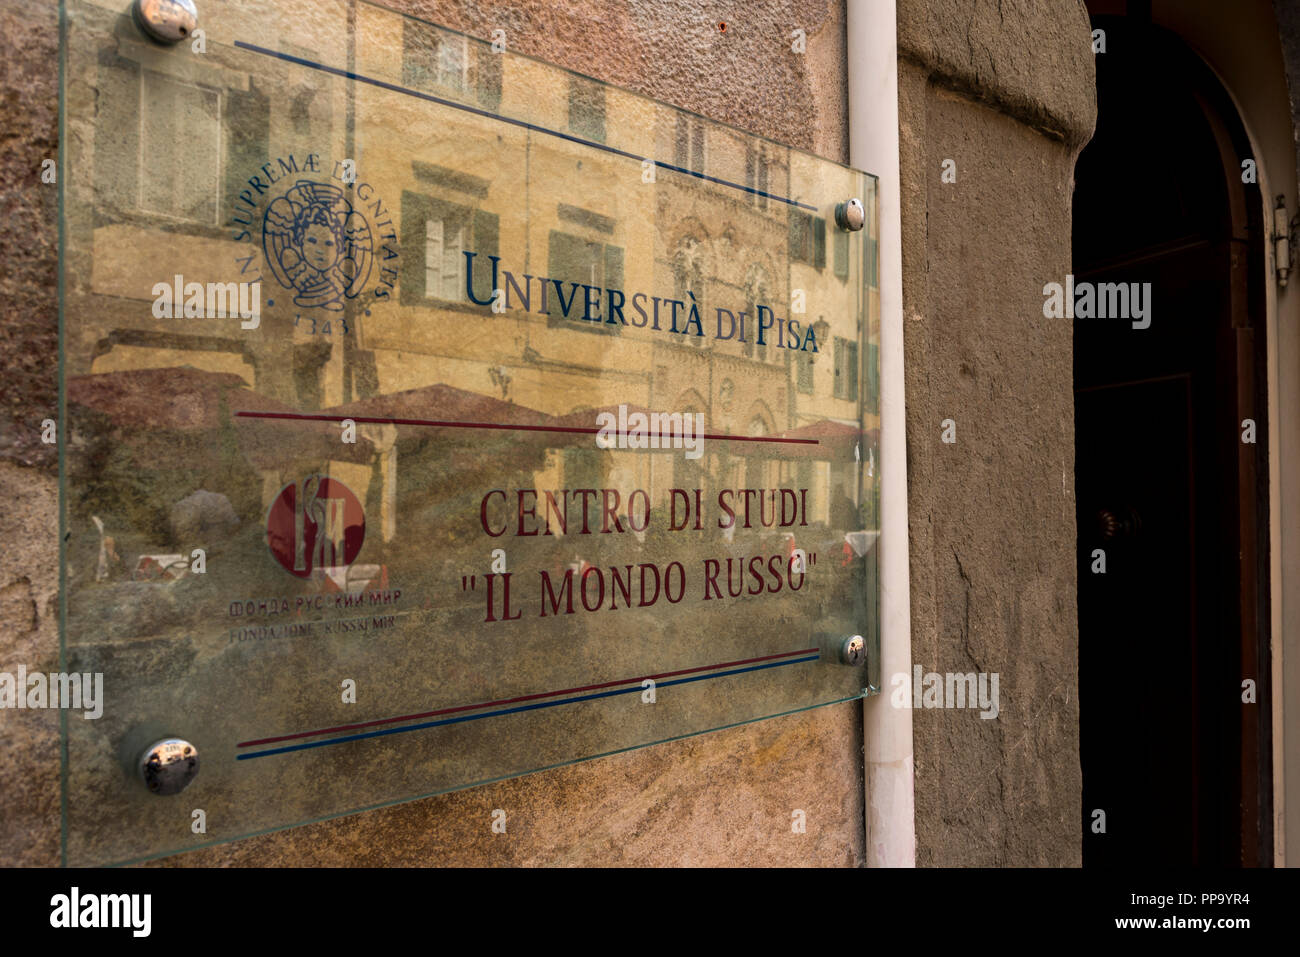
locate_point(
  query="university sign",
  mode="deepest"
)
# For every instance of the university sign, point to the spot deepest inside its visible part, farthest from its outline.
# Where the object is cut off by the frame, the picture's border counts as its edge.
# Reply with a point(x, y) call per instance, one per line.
point(469, 417)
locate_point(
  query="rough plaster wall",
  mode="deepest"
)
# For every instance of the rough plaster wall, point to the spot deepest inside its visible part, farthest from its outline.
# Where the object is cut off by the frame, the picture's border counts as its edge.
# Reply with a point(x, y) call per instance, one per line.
point(673, 50)
point(29, 313)
point(720, 798)
point(29, 105)
point(1288, 25)
point(1006, 90)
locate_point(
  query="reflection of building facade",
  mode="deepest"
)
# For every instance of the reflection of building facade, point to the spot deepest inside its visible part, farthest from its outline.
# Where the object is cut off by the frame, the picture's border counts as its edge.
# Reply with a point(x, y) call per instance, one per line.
point(463, 182)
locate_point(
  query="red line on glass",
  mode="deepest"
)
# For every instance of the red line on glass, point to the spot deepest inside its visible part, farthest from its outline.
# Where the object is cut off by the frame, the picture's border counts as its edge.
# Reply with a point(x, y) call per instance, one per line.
point(571, 430)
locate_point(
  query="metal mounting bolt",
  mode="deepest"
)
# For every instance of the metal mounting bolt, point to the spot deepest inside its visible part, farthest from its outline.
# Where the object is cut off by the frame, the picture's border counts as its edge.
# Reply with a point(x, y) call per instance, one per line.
point(167, 21)
point(850, 215)
point(168, 766)
point(853, 651)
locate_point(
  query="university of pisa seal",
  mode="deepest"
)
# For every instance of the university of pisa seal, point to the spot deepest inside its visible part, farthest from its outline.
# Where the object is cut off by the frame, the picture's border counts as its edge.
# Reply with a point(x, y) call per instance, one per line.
point(318, 245)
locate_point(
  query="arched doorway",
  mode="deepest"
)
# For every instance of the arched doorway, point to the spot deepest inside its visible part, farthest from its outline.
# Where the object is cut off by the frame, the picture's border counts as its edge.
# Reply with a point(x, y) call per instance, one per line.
point(1172, 503)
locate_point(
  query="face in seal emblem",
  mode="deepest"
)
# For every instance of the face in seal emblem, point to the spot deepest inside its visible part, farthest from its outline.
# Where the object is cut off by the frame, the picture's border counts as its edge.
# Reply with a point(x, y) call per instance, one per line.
point(317, 245)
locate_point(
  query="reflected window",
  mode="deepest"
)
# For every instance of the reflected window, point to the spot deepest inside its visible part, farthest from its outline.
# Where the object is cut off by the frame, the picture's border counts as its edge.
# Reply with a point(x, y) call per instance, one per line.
point(434, 58)
point(586, 109)
point(436, 235)
point(807, 239)
point(846, 369)
point(871, 401)
point(444, 262)
point(689, 146)
point(451, 63)
point(181, 183)
point(142, 114)
point(575, 259)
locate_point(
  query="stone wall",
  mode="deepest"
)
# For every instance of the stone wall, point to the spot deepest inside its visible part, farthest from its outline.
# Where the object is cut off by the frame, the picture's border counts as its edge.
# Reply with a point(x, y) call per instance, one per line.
point(1006, 91)
point(29, 355)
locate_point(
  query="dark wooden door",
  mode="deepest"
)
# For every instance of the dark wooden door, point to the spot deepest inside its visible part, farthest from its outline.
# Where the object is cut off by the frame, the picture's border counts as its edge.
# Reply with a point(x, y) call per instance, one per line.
point(1165, 487)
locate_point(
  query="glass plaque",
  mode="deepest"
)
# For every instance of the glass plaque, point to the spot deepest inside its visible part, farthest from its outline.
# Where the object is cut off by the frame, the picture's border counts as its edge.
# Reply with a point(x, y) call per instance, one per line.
point(433, 415)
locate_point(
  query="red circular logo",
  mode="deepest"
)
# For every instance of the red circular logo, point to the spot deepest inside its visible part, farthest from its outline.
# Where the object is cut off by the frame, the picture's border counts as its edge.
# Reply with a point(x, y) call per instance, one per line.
point(315, 524)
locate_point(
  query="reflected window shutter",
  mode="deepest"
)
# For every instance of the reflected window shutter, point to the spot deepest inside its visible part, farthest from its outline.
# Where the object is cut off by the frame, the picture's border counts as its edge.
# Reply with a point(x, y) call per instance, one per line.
point(488, 79)
point(841, 254)
point(819, 242)
point(598, 114)
point(614, 267)
point(450, 61)
point(805, 374)
point(555, 255)
point(562, 265)
point(416, 212)
point(414, 52)
point(613, 280)
point(485, 243)
point(432, 258)
point(569, 260)
point(117, 131)
point(872, 397)
point(248, 133)
point(453, 263)
point(587, 108)
point(839, 368)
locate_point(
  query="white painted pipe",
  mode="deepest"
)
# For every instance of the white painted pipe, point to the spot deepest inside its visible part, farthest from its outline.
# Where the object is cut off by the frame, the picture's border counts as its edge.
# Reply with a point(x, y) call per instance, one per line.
point(873, 146)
